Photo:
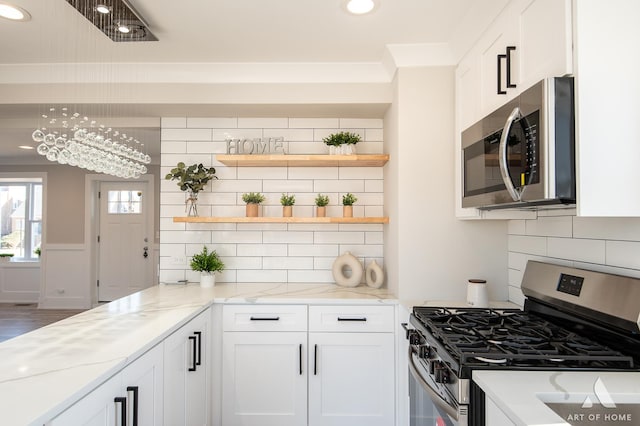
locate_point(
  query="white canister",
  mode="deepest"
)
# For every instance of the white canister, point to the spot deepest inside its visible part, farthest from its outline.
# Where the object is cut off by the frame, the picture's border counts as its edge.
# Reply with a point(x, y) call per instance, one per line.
point(477, 295)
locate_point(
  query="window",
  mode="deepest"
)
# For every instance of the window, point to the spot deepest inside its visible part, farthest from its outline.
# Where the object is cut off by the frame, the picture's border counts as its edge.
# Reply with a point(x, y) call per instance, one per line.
point(21, 217)
point(124, 202)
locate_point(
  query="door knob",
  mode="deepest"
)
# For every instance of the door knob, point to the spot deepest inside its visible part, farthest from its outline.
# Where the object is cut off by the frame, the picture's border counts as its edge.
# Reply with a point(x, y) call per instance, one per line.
point(145, 253)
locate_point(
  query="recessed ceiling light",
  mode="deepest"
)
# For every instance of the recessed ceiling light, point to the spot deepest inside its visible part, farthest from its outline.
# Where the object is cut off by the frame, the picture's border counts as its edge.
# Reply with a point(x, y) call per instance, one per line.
point(14, 13)
point(104, 9)
point(25, 147)
point(360, 7)
point(123, 29)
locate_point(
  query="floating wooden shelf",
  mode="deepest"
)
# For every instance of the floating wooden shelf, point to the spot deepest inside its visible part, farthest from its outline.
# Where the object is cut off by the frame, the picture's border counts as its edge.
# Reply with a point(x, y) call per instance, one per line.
point(199, 219)
point(298, 160)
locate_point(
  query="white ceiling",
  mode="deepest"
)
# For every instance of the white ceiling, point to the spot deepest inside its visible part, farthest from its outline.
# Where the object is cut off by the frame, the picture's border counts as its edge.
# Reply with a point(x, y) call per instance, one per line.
point(228, 31)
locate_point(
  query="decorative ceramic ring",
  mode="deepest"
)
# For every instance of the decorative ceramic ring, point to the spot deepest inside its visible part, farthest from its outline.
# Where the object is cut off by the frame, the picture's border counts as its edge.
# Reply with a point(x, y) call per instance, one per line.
point(341, 265)
point(373, 275)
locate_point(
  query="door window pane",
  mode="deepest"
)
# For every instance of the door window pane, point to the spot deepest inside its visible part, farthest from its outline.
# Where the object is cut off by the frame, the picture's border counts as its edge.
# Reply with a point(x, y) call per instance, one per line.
point(124, 202)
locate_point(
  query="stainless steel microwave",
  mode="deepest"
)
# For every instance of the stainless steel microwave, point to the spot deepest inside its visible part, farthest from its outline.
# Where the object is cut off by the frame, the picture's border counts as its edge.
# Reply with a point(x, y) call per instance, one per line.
point(523, 154)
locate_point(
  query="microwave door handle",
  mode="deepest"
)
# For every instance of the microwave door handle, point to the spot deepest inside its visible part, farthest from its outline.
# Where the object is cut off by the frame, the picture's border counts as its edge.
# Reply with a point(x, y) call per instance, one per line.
point(502, 154)
point(435, 397)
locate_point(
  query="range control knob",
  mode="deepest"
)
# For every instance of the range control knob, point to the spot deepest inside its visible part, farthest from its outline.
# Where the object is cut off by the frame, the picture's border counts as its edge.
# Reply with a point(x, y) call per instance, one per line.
point(414, 337)
point(441, 372)
point(423, 351)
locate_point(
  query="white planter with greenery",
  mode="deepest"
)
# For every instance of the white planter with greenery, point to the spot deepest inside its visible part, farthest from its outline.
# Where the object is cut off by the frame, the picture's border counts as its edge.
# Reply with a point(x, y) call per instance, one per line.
point(207, 263)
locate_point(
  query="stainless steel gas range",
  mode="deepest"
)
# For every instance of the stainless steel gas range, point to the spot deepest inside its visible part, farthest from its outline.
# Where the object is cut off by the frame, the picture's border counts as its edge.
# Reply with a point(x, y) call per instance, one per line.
point(573, 319)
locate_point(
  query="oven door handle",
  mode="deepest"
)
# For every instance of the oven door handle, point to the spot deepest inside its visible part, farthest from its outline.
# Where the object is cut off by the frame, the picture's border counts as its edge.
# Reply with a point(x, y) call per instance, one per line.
point(503, 155)
point(435, 397)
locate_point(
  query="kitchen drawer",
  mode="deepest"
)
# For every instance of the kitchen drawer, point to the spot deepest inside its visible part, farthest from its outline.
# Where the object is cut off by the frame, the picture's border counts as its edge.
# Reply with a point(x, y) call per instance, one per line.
point(264, 318)
point(379, 319)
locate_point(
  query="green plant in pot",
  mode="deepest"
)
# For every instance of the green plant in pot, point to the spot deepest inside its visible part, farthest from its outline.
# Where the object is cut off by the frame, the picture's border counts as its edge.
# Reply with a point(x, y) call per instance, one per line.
point(321, 205)
point(342, 142)
point(6, 257)
point(192, 179)
point(348, 200)
point(253, 200)
point(287, 202)
point(207, 263)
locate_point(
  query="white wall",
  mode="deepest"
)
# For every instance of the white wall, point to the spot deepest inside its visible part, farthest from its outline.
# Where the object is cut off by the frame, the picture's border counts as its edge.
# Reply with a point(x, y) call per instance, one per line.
point(268, 252)
point(558, 236)
point(429, 253)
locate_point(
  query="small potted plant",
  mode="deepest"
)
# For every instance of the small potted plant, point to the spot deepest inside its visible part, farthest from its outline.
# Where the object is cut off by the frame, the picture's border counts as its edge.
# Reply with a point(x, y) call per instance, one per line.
point(287, 202)
point(207, 263)
point(38, 251)
point(253, 200)
point(6, 257)
point(347, 204)
point(321, 205)
point(342, 142)
point(192, 179)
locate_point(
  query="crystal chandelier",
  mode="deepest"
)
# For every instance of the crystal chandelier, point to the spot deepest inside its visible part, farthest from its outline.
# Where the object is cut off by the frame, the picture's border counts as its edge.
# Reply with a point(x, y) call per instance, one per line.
point(69, 138)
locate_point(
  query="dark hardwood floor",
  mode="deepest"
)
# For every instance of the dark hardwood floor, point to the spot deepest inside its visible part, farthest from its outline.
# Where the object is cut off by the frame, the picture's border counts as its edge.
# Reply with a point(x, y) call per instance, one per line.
point(18, 318)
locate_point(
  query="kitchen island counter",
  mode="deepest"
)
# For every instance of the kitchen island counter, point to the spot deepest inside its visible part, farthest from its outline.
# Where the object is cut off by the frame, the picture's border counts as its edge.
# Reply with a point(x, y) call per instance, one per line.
point(521, 395)
point(47, 370)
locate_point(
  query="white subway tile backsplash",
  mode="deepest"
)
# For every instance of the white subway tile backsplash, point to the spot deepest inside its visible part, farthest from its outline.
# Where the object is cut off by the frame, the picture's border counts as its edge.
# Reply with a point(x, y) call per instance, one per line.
point(525, 244)
point(622, 228)
point(516, 296)
point(552, 226)
point(313, 123)
point(592, 251)
point(516, 227)
point(212, 122)
point(625, 254)
point(277, 252)
point(185, 134)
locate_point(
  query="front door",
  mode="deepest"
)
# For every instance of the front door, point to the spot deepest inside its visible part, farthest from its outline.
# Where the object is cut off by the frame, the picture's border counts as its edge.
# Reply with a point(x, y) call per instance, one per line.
point(124, 257)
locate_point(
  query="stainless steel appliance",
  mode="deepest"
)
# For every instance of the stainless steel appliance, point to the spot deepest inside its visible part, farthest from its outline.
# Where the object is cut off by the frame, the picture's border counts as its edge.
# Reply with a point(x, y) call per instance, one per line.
point(522, 154)
point(573, 319)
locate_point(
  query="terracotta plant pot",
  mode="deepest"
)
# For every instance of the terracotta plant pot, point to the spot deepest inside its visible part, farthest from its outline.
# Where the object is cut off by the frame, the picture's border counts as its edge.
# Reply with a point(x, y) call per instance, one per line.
point(252, 210)
point(287, 211)
point(347, 211)
point(321, 211)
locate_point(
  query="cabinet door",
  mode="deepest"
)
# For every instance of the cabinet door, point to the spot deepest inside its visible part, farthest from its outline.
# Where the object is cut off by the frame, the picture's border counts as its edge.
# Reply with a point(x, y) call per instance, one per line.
point(468, 91)
point(545, 40)
point(145, 375)
point(186, 390)
point(97, 408)
point(264, 379)
point(351, 379)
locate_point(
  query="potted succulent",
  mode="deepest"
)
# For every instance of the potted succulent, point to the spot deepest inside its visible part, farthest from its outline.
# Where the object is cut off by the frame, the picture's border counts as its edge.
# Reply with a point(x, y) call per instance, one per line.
point(192, 179)
point(321, 205)
point(347, 204)
point(6, 257)
point(287, 202)
point(207, 263)
point(253, 200)
point(342, 142)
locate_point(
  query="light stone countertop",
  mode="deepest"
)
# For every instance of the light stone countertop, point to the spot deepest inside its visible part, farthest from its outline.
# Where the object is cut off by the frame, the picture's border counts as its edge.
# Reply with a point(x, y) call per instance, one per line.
point(522, 394)
point(47, 370)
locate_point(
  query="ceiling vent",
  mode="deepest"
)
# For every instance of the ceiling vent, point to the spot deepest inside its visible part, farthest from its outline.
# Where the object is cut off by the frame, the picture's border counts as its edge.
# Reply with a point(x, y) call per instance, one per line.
point(117, 19)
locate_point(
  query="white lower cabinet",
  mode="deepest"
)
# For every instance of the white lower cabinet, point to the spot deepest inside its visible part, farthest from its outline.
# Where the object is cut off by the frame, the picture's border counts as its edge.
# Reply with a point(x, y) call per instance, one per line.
point(135, 392)
point(337, 370)
point(187, 372)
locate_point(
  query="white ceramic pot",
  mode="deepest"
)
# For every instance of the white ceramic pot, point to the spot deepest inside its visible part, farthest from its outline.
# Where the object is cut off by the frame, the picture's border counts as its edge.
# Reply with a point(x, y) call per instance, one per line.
point(477, 294)
point(207, 279)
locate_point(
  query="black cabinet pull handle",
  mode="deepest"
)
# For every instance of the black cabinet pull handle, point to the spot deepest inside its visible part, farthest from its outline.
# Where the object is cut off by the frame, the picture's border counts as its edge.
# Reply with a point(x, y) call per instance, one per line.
point(352, 319)
point(193, 353)
point(134, 389)
point(509, 50)
point(500, 91)
point(265, 318)
point(123, 409)
point(199, 336)
point(300, 357)
point(315, 360)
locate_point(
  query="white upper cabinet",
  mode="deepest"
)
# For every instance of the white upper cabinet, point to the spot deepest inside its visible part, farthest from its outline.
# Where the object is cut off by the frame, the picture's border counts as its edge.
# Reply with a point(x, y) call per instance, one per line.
point(607, 71)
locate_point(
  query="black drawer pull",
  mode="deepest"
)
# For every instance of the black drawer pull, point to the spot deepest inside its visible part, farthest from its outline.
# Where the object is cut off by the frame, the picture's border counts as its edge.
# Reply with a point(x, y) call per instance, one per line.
point(134, 389)
point(193, 354)
point(500, 91)
point(300, 357)
point(315, 360)
point(265, 318)
point(509, 50)
point(362, 319)
point(199, 336)
point(123, 409)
